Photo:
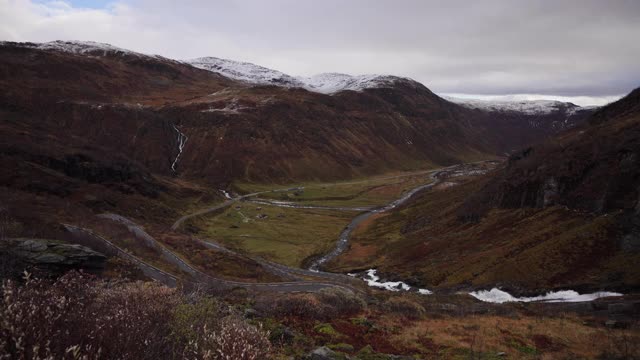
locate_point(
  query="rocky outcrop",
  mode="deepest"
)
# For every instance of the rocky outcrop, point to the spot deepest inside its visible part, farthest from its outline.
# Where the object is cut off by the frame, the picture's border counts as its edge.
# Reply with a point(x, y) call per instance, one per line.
point(53, 255)
point(593, 168)
point(324, 353)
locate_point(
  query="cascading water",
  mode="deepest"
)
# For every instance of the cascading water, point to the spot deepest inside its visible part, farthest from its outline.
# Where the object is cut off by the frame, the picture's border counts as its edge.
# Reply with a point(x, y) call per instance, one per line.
point(182, 140)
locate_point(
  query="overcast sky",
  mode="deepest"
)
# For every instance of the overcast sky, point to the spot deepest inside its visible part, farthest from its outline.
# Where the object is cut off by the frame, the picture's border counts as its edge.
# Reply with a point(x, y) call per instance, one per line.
point(587, 51)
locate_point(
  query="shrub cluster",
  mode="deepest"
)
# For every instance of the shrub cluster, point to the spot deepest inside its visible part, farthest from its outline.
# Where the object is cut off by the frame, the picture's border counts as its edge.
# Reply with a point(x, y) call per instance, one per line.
point(404, 307)
point(79, 317)
point(326, 304)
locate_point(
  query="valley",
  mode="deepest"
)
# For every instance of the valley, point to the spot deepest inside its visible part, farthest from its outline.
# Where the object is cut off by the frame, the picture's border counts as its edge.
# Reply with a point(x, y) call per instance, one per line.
point(361, 216)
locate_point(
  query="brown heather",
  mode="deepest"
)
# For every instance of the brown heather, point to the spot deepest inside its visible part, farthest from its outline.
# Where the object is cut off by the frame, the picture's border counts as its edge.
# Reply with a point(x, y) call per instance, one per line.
point(79, 317)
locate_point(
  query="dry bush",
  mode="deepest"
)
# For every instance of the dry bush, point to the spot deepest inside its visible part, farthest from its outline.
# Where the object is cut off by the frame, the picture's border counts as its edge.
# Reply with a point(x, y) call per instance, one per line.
point(305, 306)
point(191, 317)
point(404, 307)
point(39, 321)
point(324, 305)
point(234, 340)
point(77, 317)
point(134, 319)
point(341, 302)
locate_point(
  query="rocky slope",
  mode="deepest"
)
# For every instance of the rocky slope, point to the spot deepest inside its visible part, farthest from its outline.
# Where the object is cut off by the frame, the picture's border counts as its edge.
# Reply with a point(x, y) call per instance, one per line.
point(562, 214)
point(47, 256)
point(170, 117)
point(326, 83)
point(88, 127)
point(547, 115)
point(593, 168)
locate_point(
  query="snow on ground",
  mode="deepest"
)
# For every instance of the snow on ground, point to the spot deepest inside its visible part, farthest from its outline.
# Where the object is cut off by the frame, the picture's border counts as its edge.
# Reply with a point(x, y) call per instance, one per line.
point(529, 107)
point(232, 107)
point(327, 83)
point(245, 71)
point(494, 295)
point(498, 296)
point(83, 48)
point(226, 194)
point(330, 83)
point(373, 280)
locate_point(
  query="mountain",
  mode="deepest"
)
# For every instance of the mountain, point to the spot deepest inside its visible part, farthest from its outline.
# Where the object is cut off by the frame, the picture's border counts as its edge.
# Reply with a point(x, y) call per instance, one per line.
point(592, 168)
point(523, 122)
point(542, 114)
point(526, 107)
point(326, 83)
point(114, 129)
point(244, 71)
point(562, 214)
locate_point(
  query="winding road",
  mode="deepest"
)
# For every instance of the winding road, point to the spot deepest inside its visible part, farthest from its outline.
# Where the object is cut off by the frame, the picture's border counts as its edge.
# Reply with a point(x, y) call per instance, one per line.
point(89, 238)
point(343, 239)
point(225, 204)
point(301, 280)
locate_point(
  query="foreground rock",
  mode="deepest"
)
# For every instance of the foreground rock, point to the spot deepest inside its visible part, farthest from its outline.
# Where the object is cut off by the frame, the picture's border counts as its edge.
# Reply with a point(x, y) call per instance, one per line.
point(52, 255)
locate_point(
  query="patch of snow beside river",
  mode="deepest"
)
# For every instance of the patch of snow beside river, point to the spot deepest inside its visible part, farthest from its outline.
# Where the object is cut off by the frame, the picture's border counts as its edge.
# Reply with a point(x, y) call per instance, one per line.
point(498, 296)
point(373, 280)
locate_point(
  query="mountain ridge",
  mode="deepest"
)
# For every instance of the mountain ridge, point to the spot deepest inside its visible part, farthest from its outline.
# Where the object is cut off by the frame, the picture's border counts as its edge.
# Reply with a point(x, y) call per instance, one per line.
point(563, 213)
point(325, 83)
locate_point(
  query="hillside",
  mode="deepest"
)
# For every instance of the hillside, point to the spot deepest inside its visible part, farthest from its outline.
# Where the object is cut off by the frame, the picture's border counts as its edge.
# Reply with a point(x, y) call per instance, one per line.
point(90, 128)
point(171, 117)
point(203, 203)
point(560, 214)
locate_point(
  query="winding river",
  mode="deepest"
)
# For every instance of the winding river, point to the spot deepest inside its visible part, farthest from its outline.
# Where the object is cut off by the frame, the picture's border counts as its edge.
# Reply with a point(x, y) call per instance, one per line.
point(343, 239)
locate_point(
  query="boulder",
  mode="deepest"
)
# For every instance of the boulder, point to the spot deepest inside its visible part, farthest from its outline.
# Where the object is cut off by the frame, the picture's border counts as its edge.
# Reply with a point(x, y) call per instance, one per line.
point(324, 353)
point(53, 254)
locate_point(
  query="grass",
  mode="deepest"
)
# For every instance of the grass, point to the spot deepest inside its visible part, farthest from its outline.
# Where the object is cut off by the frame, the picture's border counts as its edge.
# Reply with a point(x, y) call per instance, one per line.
point(535, 248)
point(373, 191)
point(472, 331)
point(483, 337)
point(285, 235)
point(291, 236)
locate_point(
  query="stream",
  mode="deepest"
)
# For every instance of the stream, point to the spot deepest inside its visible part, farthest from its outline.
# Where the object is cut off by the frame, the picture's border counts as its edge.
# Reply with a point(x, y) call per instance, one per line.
point(494, 295)
point(343, 239)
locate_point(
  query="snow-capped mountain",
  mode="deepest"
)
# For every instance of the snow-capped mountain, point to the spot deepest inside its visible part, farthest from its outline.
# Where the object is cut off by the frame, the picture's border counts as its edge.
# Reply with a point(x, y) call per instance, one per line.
point(329, 83)
point(326, 83)
point(246, 72)
point(84, 48)
point(538, 114)
point(527, 107)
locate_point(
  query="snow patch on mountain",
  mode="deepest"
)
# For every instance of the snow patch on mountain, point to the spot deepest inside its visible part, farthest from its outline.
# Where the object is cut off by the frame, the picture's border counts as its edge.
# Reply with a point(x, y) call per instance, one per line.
point(498, 296)
point(330, 83)
point(82, 48)
point(245, 71)
point(327, 83)
point(529, 107)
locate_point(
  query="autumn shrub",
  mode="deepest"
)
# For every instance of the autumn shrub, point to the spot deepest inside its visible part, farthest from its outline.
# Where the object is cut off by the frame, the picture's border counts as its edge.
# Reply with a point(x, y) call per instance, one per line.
point(326, 304)
point(40, 320)
point(341, 302)
point(191, 317)
point(305, 306)
point(234, 339)
point(79, 317)
point(404, 307)
point(133, 320)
